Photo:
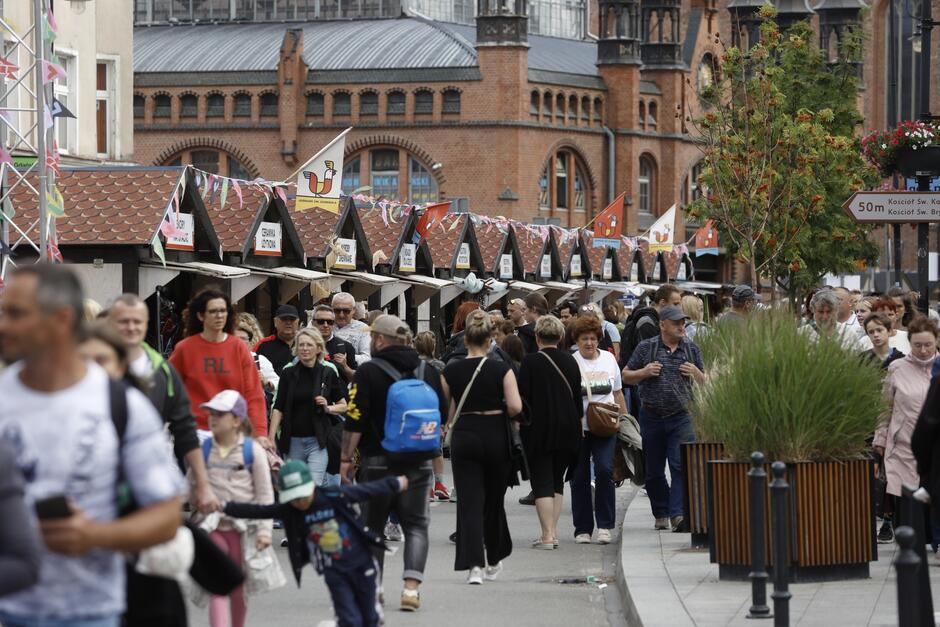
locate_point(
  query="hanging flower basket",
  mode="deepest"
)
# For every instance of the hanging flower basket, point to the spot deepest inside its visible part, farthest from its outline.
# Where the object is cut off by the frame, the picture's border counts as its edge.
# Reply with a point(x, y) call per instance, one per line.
point(912, 147)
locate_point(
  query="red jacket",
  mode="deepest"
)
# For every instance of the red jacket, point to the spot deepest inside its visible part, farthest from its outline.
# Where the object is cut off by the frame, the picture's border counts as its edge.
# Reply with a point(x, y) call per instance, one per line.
point(207, 368)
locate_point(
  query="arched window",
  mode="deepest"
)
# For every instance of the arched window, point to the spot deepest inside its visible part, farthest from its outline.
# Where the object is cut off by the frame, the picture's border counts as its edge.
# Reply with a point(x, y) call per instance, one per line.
point(651, 116)
point(560, 107)
point(139, 102)
point(242, 106)
point(535, 100)
point(547, 104)
point(368, 103)
point(695, 185)
point(563, 184)
point(598, 107)
point(269, 105)
point(645, 186)
point(573, 108)
point(211, 160)
point(396, 103)
point(215, 106)
point(342, 103)
point(315, 104)
point(424, 102)
point(161, 106)
point(391, 172)
point(451, 101)
point(642, 114)
point(707, 72)
point(585, 108)
point(189, 106)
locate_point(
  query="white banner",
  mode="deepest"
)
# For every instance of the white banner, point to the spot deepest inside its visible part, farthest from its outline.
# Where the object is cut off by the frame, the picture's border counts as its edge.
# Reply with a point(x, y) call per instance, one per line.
point(608, 269)
point(663, 232)
point(406, 258)
point(346, 260)
point(183, 239)
point(268, 239)
point(505, 266)
point(576, 265)
point(319, 180)
point(545, 271)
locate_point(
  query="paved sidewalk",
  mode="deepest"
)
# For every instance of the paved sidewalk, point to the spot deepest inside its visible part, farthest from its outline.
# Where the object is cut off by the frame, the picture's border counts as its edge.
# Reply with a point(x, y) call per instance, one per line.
point(671, 585)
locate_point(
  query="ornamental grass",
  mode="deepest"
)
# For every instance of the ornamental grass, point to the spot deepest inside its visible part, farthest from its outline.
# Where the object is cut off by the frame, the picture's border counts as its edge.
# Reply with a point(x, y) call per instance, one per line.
point(772, 389)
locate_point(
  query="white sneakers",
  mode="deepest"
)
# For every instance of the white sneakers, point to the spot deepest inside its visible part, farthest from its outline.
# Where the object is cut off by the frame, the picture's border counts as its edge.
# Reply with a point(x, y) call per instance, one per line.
point(476, 576)
point(490, 573)
point(583, 538)
point(603, 536)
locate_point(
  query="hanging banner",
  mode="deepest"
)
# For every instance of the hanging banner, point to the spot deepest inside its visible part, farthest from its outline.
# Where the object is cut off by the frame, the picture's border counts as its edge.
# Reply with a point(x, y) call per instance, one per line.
point(575, 266)
point(406, 257)
point(183, 238)
point(505, 266)
point(657, 271)
point(545, 269)
point(608, 272)
point(432, 215)
point(463, 257)
point(346, 256)
point(315, 180)
point(663, 231)
point(268, 239)
point(706, 239)
point(609, 224)
point(635, 272)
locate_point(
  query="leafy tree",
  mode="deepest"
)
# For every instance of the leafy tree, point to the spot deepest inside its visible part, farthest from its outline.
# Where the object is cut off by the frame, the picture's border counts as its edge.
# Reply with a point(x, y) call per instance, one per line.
point(781, 156)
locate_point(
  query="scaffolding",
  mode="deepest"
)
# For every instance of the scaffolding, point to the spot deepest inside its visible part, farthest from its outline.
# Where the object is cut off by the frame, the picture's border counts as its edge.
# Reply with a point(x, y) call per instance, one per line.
point(26, 130)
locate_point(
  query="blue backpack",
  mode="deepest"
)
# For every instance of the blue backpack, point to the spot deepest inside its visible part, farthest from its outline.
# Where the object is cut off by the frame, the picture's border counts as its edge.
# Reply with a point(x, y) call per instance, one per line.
point(248, 453)
point(412, 415)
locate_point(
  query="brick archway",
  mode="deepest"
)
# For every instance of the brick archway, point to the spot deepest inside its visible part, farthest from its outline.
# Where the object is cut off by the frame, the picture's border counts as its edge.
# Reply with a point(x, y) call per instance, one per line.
point(208, 142)
point(371, 141)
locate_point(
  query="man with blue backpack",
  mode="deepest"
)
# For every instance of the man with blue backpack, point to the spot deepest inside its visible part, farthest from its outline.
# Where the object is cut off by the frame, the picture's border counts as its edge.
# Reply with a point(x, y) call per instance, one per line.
point(396, 408)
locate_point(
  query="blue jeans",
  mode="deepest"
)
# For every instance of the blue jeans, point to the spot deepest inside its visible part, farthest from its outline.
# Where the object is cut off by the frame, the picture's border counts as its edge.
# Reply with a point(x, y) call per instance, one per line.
point(308, 450)
point(21, 621)
point(354, 595)
point(661, 440)
point(603, 509)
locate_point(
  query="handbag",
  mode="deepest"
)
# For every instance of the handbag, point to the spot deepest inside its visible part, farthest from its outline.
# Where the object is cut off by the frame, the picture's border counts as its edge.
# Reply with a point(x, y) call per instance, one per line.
point(262, 570)
point(520, 464)
point(603, 419)
point(463, 399)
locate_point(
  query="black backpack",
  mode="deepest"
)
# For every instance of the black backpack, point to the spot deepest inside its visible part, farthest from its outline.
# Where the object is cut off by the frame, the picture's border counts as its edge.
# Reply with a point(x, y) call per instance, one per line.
point(630, 338)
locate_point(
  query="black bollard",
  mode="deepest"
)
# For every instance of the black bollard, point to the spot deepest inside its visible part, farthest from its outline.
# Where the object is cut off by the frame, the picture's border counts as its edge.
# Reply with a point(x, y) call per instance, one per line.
point(757, 488)
point(914, 515)
point(779, 490)
point(907, 563)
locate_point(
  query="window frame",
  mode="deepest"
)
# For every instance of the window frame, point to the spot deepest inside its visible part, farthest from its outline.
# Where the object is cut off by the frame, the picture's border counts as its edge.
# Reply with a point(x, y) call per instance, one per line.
point(191, 98)
point(211, 110)
point(241, 97)
point(451, 106)
point(310, 105)
point(647, 181)
point(344, 99)
point(368, 108)
point(424, 108)
point(269, 109)
point(395, 108)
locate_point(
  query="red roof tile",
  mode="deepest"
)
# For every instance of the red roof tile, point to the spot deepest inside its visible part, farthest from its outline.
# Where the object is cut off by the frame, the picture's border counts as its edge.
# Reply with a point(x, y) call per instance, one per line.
point(490, 240)
point(625, 259)
point(315, 227)
point(233, 222)
point(381, 237)
point(649, 259)
point(530, 247)
point(117, 206)
point(443, 242)
point(596, 255)
point(564, 246)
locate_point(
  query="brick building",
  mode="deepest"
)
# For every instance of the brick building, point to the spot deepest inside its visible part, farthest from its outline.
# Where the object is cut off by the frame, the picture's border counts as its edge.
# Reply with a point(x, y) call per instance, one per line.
point(535, 110)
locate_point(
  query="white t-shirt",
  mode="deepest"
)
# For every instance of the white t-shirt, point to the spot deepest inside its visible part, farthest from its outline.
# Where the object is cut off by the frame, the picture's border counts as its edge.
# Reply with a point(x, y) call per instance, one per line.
point(603, 375)
point(901, 342)
point(65, 443)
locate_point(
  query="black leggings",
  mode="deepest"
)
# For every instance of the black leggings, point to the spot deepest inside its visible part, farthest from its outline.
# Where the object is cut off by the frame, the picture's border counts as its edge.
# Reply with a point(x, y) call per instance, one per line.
point(481, 465)
point(547, 473)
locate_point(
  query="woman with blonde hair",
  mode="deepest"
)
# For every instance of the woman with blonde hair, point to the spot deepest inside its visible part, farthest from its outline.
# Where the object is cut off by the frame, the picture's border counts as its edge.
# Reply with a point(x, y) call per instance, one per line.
point(310, 396)
point(694, 308)
point(248, 331)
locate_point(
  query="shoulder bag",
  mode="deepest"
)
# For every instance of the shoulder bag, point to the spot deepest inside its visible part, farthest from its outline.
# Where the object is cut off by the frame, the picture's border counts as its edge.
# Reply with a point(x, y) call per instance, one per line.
point(603, 419)
point(463, 399)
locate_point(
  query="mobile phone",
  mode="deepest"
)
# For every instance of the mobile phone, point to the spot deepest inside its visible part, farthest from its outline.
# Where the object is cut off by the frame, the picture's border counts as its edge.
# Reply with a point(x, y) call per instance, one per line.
point(53, 507)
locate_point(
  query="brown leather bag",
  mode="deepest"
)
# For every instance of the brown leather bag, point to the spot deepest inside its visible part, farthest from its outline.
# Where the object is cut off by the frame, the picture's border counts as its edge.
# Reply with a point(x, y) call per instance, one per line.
point(603, 419)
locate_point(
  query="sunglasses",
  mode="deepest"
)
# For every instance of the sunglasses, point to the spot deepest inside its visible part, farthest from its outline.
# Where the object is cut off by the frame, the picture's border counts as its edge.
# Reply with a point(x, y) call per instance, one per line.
point(341, 310)
point(324, 321)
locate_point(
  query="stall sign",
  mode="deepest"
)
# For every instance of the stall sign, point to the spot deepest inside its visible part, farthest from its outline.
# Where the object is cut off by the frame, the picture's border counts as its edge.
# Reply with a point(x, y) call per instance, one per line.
point(268, 239)
point(406, 258)
point(346, 255)
point(463, 257)
point(183, 238)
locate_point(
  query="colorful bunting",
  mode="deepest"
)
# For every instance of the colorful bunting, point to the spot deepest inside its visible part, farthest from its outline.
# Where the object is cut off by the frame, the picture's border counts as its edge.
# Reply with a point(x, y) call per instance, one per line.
point(52, 71)
point(5, 157)
point(157, 247)
point(281, 193)
point(238, 192)
point(51, 21)
point(224, 194)
point(46, 117)
point(59, 110)
point(55, 203)
point(8, 69)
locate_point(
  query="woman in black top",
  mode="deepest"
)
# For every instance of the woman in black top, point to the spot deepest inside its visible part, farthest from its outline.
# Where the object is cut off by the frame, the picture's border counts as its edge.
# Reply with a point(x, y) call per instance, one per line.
point(310, 397)
point(550, 382)
point(480, 455)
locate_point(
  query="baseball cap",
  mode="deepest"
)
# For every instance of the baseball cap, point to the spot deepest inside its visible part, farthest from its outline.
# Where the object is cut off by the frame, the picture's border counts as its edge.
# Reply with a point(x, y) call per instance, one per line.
point(672, 313)
point(392, 326)
point(286, 311)
point(228, 400)
point(742, 294)
point(294, 481)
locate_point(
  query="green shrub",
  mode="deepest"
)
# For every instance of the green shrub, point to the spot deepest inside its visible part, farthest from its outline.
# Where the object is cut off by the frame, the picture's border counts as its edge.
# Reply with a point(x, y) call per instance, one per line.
point(772, 389)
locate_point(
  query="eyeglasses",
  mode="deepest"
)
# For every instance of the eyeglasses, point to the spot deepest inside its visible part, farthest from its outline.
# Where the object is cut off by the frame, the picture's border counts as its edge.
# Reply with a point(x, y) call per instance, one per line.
point(342, 310)
point(325, 321)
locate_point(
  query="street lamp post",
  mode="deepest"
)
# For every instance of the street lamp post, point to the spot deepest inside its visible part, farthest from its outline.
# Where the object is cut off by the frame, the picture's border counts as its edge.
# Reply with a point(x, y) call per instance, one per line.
point(923, 179)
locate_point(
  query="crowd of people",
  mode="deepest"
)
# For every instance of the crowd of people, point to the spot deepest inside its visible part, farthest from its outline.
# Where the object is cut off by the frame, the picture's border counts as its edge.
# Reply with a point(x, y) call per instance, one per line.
point(112, 444)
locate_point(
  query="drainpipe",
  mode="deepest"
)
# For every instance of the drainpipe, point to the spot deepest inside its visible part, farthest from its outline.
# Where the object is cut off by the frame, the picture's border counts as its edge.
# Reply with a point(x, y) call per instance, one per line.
point(611, 165)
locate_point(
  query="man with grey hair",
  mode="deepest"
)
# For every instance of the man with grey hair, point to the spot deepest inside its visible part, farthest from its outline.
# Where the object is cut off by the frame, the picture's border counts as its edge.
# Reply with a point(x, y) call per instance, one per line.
point(846, 312)
point(349, 329)
point(825, 307)
point(76, 436)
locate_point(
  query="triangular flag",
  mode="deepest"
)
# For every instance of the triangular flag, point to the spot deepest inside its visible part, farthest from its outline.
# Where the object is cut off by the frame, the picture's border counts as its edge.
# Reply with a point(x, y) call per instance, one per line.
point(5, 156)
point(315, 179)
point(52, 250)
point(157, 246)
point(8, 210)
point(608, 225)
point(663, 232)
point(238, 192)
point(8, 69)
point(50, 21)
point(55, 203)
point(52, 71)
point(224, 194)
point(59, 110)
point(706, 239)
point(433, 214)
point(281, 193)
point(48, 33)
point(46, 116)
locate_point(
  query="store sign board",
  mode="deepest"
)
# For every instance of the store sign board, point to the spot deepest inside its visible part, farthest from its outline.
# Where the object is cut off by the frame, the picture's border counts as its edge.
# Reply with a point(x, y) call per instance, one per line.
point(268, 239)
point(346, 257)
point(183, 239)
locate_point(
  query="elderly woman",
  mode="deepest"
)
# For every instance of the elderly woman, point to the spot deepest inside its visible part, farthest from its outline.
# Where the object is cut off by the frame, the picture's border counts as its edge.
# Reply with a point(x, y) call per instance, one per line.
point(825, 308)
point(550, 382)
point(309, 396)
point(600, 381)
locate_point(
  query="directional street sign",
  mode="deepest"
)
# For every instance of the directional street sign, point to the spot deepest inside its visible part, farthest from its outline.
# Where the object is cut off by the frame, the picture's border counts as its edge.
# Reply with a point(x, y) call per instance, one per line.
point(894, 206)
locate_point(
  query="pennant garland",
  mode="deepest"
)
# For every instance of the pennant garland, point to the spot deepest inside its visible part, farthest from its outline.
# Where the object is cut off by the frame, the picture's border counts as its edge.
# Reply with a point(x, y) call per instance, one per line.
point(157, 247)
point(59, 110)
point(224, 194)
point(51, 28)
point(238, 192)
point(52, 250)
point(46, 117)
point(5, 157)
point(8, 69)
point(52, 71)
point(55, 203)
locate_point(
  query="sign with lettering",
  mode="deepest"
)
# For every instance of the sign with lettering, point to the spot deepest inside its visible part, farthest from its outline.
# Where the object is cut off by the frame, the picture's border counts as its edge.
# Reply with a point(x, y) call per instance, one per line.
point(505, 266)
point(657, 270)
point(575, 265)
point(608, 272)
point(545, 270)
point(268, 239)
point(894, 206)
point(680, 276)
point(183, 238)
point(406, 258)
point(346, 257)
point(463, 257)
point(635, 272)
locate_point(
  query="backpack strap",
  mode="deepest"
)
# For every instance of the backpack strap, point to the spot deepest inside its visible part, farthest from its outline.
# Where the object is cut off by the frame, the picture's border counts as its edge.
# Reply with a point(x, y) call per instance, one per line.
point(117, 400)
point(206, 449)
point(248, 451)
point(387, 368)
point(419, 371)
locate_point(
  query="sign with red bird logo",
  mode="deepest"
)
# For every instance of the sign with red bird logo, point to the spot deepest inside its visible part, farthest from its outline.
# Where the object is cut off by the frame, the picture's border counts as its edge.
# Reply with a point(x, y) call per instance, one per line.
point(319, 180)
point(608, 226)
point(706, 239)
point(663, 232)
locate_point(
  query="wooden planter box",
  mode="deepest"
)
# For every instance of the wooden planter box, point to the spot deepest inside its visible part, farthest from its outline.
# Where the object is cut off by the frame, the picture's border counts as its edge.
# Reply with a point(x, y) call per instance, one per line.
point(695, 458)
point(832, 519)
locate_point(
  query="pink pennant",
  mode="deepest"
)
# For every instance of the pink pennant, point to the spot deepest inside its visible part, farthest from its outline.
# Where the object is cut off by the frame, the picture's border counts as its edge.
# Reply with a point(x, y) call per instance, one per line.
point(52, 71)
point(384, 217)
point(168, 227)
point(52, 23)
point(5, 157)
point(6, 116)
point(8, 69)
point(238, 192)
point(281, 193)
point(176, 202)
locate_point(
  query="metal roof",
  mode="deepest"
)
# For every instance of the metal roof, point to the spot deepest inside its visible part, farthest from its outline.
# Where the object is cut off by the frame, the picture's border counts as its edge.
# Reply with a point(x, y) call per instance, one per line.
point(402, 43)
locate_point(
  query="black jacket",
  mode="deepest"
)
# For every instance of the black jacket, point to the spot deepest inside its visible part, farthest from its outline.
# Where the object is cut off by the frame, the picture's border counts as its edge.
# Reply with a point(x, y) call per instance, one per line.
point(168, 394)
point(325, 378)
point(526, 333)
point(925, 441)
point(339, 499)
point(366, 412)
point(634, 332)
point(455, 349)
point(334, 346)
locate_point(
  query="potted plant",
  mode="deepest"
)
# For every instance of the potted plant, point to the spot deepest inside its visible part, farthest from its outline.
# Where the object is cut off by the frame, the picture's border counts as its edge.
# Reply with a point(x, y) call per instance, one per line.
point(809, 404)
point(911, 147)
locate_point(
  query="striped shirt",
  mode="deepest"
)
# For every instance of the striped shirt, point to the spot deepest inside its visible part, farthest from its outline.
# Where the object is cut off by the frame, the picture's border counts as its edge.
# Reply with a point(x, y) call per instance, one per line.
point(670, 392)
